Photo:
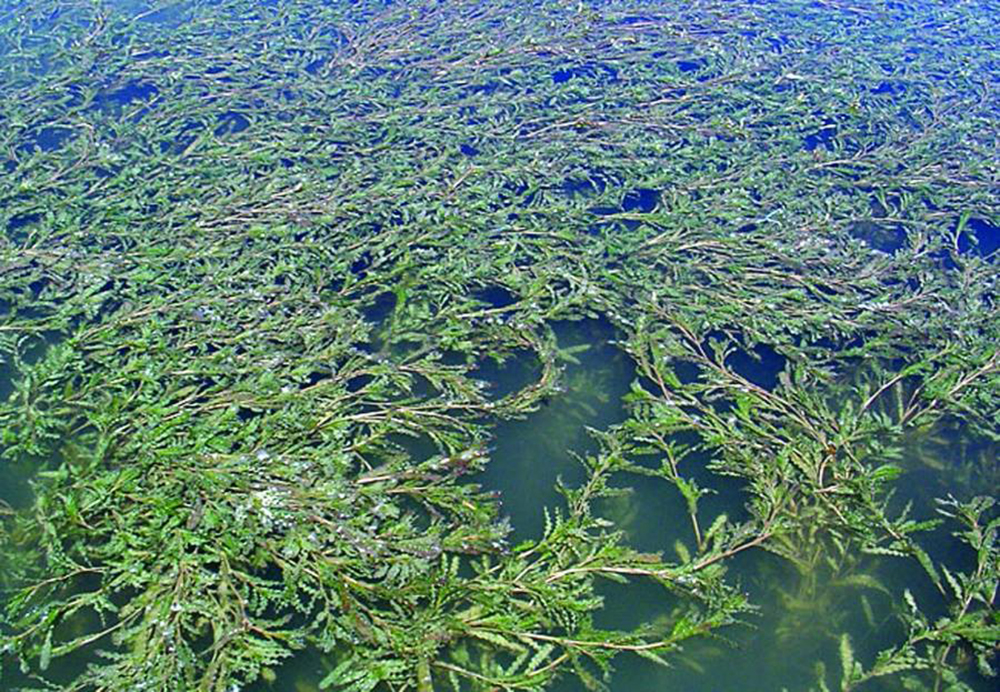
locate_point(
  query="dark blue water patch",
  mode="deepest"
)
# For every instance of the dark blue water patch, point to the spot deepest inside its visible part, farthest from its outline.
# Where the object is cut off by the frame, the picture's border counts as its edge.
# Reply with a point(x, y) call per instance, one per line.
point(943, 259)
point(707, 75)
point(185, 137)
point(822, 137)
point(887, 238)
point(560, 76)
point(379, 309)
point(450, 357)
point(230, 123)
point(777, 43)
point(930, 203)
point(361, 264)
point(518, 191)
point(245, 415)
point(133, 91)
point(358, 382)
point(641, 199)
point(48, 139)
point(314, 377)
point(979, 237)
point(38, 286)
point(496, 297)
point(875, 204)
point(760, 365)
point(689, 65)
point(469, 150)
point(313, 67)
point(604, 73)
point(18, 222)
point(687, 371)
point(585, 187)
point(76, 94)
point(628, 20)
point(887, 88)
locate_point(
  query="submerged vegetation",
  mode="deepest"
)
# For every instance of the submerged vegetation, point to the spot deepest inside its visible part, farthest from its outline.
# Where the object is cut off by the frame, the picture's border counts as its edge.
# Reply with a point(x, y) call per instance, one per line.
point(266, 269)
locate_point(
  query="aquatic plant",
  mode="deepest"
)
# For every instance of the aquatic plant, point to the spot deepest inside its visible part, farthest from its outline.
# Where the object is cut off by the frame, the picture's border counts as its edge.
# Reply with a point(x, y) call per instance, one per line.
point(256, 258)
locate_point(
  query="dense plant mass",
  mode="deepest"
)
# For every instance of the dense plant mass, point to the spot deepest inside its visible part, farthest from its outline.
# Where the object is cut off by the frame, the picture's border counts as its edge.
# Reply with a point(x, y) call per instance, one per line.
point(260, 259)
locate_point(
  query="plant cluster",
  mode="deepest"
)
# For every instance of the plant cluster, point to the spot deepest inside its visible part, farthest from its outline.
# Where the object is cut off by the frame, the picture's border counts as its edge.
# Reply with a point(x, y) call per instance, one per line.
point(256, 258)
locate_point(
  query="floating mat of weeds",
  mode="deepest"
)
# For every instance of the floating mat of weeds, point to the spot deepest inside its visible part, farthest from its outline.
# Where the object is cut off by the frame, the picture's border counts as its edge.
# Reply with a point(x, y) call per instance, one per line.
point(473, 346)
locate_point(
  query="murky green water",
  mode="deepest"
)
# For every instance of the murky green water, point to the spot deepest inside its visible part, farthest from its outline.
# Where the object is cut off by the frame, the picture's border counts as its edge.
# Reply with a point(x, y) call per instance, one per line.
point(804, 607)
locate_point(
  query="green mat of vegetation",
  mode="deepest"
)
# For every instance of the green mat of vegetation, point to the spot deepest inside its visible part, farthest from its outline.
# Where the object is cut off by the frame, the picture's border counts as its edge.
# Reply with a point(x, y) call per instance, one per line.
point(265, 269)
